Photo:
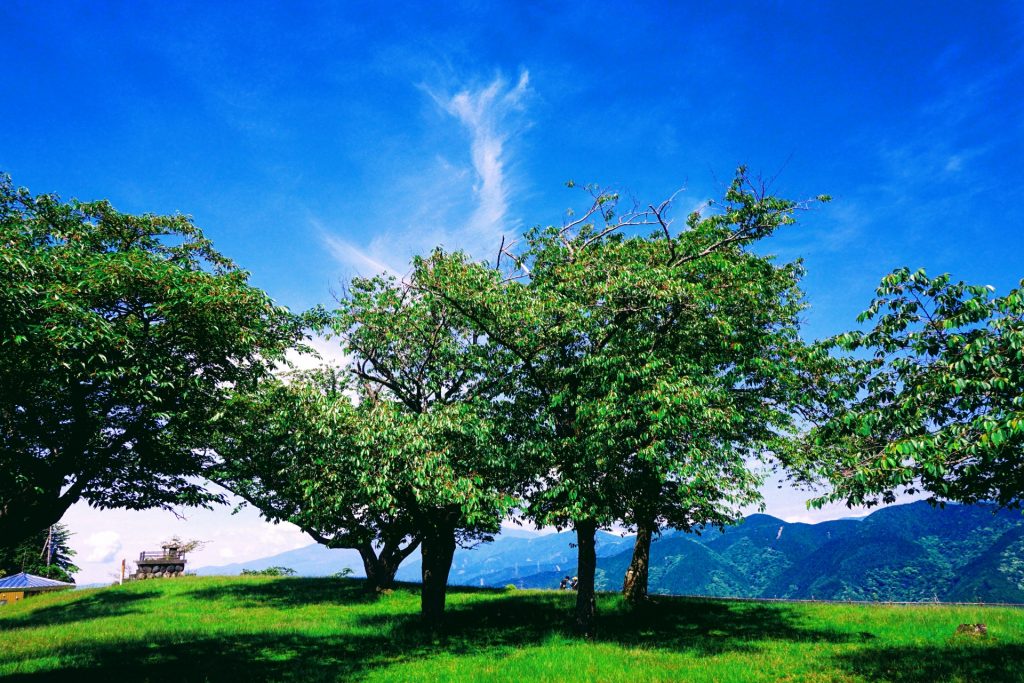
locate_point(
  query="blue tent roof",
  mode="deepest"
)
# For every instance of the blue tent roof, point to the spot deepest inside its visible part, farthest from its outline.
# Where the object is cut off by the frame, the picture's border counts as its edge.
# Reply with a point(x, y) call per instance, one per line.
point(25, 581)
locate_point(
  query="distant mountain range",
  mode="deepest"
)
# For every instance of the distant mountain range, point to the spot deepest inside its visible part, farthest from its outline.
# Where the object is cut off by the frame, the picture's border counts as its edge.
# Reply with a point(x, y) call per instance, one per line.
point(310, 560)
point(904, 552)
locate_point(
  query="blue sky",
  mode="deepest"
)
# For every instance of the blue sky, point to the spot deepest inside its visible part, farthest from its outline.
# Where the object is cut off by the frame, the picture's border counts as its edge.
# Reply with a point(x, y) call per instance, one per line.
point(314, 141)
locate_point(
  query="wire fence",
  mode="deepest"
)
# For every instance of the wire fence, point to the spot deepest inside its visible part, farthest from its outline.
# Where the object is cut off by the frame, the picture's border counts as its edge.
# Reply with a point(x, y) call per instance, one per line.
point(887, 603)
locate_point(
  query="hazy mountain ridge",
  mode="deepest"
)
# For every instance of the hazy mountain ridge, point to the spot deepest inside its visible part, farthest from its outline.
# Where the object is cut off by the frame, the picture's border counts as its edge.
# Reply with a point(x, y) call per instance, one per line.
point(310, 560)
point(508, 560)
point(906, 552)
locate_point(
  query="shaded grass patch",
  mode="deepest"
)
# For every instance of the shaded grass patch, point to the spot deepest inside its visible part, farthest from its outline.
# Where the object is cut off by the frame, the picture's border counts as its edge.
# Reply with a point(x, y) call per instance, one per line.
point(290, 629)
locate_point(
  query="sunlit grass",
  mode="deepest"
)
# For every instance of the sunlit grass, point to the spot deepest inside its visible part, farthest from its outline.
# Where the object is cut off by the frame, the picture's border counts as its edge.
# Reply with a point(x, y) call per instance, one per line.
point(252, 628)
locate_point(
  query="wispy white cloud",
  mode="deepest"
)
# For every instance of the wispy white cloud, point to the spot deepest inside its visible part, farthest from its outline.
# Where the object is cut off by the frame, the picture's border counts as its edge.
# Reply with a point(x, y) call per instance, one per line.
point(444, 202)
point(945, 143)
point(484, 113)
point(926, 170)
point(348, 253)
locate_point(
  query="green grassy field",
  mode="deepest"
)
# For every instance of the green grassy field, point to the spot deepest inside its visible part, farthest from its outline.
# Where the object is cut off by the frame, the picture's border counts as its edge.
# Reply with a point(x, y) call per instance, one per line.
point(240, 629)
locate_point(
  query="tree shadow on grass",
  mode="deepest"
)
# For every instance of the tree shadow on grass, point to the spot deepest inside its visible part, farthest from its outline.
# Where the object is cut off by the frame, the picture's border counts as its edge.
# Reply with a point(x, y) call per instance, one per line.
point(109, 603)
point(241, 657)
point(700, 627)
point(289, 592)
point(495, 625)
point(958, 660)
point(710, 627)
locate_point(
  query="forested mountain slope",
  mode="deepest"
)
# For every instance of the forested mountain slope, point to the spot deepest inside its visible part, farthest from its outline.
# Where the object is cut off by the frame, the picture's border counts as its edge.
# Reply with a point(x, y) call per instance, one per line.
point(906, 552)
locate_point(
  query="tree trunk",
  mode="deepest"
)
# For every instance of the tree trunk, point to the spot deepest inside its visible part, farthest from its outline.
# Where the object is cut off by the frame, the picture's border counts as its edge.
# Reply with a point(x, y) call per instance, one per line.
point(635, 585)
point(437, 551)
point(381, 567)
point(586, 603)
point(23, 517)
point(374, 572)
point(391, 557)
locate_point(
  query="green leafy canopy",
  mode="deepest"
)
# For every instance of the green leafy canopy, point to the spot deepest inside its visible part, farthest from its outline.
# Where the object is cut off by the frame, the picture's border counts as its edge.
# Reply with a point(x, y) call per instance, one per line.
point(121, 337)
point(936, 401)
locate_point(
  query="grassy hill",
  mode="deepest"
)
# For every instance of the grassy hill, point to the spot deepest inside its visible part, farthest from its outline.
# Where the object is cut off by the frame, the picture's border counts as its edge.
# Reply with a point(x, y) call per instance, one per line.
point(252, 629)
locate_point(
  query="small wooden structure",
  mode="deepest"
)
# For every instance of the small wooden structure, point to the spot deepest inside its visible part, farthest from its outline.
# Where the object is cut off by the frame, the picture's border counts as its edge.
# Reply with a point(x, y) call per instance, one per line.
point(167, 563)
point(20, 586)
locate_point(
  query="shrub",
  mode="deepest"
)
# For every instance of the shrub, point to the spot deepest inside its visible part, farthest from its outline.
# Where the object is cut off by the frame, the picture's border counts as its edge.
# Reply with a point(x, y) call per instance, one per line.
point(269, 571)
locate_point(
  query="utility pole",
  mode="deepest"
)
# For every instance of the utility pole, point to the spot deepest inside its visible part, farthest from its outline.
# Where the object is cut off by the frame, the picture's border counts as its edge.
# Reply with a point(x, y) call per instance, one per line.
point(48, 546)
